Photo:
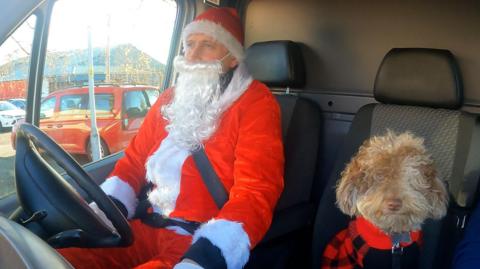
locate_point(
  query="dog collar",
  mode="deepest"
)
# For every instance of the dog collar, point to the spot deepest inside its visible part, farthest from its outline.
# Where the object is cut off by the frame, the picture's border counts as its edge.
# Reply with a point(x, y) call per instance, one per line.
point(378, 239)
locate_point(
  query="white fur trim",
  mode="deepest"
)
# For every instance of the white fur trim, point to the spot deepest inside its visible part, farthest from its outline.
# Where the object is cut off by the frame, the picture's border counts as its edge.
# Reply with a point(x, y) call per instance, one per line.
point(164, 169)
point(187, 265)
point(230, 238)
point(218, 33)
point(240, 82)
point(121, 191)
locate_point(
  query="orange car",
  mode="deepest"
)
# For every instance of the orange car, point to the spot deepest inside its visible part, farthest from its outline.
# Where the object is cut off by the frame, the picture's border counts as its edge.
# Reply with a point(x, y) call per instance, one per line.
point(65, 116)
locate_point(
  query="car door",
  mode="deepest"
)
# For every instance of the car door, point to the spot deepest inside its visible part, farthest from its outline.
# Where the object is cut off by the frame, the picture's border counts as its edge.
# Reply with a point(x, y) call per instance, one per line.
point(71, 123)
point(48, 116)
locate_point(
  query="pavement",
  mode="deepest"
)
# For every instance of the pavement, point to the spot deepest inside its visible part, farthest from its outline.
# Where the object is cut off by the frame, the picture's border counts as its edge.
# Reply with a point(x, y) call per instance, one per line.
point(7, 159)
point(7, 162)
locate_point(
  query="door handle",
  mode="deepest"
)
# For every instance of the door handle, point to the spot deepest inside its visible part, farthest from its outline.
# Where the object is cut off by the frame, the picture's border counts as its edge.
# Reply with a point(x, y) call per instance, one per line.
point(59, 125)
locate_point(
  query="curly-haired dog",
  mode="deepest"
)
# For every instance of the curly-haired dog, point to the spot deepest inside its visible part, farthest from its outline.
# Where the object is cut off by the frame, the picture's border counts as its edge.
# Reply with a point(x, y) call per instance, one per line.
point(390, 187)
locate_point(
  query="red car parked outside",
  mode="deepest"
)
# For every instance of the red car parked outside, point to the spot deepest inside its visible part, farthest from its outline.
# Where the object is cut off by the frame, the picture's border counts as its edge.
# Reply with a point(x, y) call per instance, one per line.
point(120, 110)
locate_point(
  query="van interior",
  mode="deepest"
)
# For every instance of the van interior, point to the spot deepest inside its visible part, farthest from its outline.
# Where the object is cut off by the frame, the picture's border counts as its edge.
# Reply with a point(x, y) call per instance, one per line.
point(342, 72)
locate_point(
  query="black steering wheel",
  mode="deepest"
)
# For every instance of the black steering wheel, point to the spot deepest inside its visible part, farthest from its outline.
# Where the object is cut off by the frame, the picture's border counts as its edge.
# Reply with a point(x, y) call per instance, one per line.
point(47, 198)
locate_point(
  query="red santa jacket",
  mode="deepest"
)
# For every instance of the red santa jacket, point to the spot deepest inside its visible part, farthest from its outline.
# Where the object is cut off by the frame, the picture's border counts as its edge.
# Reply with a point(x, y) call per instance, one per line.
point(246, 152)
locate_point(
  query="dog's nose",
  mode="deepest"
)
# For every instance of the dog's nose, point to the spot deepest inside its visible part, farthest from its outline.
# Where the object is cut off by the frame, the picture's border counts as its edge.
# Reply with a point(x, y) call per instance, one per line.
point(394, 204)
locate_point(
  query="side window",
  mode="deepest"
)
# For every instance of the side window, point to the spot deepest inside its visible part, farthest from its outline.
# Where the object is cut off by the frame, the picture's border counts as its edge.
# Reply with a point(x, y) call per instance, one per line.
point(152, 96)
point(104, 102)
point(71, 104)
point(130, 43)
point(14, 67)
point(135, 104)
point(47, 107)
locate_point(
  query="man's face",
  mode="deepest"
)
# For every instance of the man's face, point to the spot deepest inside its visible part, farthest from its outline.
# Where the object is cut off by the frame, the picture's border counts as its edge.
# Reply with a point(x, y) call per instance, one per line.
point(203, 48)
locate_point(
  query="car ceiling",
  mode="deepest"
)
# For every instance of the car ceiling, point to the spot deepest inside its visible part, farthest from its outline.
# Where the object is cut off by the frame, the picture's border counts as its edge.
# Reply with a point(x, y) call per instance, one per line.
point(13, 13)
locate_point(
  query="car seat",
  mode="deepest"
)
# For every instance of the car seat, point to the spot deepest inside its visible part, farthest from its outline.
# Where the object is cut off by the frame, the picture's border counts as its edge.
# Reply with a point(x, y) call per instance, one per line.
point(279, 64)
point(418, 90)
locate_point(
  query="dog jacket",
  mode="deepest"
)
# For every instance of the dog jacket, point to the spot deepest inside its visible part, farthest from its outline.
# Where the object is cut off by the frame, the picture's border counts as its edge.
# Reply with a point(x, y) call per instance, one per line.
point(363, 245)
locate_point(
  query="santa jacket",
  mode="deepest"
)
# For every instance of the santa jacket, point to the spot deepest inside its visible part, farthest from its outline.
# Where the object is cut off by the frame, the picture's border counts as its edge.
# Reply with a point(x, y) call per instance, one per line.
point(246, 152)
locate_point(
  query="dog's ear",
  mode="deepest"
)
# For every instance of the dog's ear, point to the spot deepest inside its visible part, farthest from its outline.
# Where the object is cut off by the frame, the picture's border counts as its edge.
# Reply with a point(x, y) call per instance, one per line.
point(437, 194)
point(347, 190)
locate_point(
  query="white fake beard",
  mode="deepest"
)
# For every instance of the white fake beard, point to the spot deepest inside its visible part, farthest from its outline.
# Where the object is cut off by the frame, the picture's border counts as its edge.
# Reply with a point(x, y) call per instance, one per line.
point(195, 109)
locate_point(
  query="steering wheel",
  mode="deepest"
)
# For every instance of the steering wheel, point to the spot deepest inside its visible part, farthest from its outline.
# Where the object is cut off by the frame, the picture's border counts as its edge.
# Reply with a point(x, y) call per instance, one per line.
point(54, 203)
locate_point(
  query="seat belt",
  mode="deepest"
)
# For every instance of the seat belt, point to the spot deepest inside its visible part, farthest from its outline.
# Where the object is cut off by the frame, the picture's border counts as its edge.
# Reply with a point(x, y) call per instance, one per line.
point(210, 178)
point(212, 182)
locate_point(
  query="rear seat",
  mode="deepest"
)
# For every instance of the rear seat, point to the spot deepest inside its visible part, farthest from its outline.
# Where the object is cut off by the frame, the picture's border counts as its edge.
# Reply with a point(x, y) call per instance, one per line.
point(279, 64)
point(419, 90)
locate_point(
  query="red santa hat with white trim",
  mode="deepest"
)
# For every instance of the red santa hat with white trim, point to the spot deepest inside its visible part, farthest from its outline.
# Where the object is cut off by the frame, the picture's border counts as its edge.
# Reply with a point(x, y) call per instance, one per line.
point(224, 25)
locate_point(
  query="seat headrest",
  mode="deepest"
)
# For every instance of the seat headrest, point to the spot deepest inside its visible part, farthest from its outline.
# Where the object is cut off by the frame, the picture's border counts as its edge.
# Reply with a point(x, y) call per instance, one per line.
point(277, 63)
point(421, 77)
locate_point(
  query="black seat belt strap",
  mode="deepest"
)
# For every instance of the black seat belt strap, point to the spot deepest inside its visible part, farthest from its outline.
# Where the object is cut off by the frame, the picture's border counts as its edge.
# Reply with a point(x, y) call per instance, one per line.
point(397, 252)
point(159, 221)
point(210, 178)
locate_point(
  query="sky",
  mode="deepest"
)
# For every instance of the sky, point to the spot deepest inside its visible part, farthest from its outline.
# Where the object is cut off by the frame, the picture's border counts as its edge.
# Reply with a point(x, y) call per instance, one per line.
point(146, 24)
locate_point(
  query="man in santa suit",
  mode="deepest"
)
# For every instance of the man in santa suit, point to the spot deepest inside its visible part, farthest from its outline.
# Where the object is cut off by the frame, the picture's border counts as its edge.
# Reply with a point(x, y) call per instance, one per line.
point(215, 105)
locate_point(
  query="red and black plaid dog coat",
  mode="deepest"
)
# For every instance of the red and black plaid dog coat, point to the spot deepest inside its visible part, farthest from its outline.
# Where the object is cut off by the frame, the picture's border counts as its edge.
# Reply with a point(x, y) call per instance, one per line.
point(362, 245)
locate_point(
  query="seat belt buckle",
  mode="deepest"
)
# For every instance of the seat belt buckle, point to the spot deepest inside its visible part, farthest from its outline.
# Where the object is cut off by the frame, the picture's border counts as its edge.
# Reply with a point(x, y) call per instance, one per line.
point(397, 249)
point(461, 221)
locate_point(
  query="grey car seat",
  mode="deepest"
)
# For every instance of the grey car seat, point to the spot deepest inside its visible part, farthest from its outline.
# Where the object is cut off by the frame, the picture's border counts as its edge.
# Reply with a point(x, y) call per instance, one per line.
point(419, 90)
point(279, 64)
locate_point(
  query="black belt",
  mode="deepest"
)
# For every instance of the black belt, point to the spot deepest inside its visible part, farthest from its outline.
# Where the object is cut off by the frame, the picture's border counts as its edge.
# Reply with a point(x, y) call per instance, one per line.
point(159, 221)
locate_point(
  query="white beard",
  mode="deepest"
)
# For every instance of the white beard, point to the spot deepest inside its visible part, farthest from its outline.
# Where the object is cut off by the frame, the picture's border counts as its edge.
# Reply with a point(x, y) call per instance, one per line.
point(195, 108)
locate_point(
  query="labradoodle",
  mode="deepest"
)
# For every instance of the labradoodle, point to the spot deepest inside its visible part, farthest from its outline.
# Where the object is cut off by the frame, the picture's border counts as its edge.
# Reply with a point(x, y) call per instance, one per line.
point(391, 187)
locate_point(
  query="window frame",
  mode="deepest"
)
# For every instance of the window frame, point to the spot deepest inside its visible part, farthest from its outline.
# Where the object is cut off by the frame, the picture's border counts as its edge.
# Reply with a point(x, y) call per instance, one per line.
point(8, 201)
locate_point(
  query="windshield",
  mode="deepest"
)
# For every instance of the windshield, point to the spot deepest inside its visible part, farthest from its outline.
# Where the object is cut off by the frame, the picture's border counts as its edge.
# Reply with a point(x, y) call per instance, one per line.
point(6, 106)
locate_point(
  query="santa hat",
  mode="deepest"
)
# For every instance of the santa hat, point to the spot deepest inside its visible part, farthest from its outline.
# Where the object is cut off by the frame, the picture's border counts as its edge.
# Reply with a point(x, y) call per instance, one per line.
point(223, 24)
